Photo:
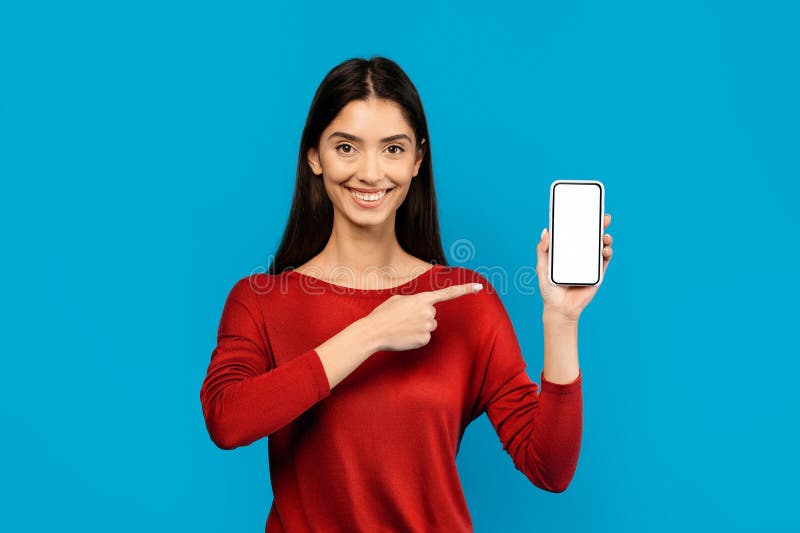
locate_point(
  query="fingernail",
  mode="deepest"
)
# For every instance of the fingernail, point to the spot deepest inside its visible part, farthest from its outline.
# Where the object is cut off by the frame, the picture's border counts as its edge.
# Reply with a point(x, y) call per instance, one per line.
point(542, 235)
point(477, 286)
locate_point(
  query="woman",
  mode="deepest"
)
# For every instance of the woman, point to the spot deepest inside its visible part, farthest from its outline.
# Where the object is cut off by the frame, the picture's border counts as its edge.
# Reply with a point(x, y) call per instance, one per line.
point(362, 355)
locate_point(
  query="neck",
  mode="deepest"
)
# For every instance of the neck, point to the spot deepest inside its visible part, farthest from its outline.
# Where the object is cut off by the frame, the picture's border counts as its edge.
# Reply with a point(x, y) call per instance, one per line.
point(361, 248)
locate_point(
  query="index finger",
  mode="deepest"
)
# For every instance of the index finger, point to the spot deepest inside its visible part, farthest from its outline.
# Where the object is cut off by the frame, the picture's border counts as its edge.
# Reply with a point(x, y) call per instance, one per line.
point(454, 291)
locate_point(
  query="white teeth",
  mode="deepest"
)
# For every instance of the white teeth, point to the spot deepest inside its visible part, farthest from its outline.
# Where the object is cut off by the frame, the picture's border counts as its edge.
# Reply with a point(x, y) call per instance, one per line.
point(370, 197)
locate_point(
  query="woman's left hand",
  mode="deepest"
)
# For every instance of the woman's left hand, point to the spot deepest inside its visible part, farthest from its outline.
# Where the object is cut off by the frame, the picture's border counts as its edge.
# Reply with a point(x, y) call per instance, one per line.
point(568, 301)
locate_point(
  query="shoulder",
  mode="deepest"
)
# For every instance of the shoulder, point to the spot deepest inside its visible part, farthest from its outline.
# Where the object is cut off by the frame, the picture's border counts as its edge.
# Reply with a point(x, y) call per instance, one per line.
point(251, 287)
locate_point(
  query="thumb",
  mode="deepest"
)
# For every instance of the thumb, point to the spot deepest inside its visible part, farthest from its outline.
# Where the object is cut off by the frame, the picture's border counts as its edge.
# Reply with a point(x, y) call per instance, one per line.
point(541, 254)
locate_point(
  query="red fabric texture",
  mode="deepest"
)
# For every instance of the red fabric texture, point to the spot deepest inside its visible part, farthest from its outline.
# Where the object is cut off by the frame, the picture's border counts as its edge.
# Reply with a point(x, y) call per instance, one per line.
point(378, 451)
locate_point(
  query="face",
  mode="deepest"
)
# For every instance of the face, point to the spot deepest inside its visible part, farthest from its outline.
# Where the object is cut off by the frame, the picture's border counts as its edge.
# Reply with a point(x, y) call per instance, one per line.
point(367, 157)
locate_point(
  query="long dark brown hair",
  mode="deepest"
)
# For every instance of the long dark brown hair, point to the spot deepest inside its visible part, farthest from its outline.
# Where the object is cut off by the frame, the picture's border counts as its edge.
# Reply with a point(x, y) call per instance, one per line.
point(311, 217)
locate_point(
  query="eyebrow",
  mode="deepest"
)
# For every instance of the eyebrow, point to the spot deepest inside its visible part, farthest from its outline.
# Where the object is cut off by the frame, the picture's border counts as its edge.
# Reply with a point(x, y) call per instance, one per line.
point(353, 138)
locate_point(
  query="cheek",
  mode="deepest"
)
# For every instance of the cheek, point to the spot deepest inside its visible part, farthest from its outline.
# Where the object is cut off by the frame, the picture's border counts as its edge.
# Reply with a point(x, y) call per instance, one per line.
point(333, 188)
point(332, 165)
point(400, 169)
point(335, 168)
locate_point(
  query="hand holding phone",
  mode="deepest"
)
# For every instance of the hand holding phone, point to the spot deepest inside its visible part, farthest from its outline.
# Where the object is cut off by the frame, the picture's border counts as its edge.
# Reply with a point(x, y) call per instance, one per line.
point(576, 232)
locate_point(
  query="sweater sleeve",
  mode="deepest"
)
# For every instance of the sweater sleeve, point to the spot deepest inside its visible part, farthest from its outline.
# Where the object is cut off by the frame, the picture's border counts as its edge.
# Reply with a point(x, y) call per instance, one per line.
point(540, 430)
point(244, 395)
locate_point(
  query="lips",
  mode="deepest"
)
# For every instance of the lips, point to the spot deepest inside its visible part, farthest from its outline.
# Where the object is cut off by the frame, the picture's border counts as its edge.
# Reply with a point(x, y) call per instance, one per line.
point(365, 200)
point(369, 191)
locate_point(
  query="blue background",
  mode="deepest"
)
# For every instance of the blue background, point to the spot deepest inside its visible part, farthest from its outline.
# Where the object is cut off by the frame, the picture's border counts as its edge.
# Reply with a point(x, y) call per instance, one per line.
point(147, 157)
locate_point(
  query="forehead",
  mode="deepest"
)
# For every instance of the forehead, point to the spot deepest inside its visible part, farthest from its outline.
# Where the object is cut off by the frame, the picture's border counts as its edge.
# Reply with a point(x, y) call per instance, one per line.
point(375, 117)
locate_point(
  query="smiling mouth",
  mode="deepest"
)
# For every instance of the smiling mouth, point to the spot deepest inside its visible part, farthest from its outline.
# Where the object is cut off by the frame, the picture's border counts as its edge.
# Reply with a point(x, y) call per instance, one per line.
point(371, 196)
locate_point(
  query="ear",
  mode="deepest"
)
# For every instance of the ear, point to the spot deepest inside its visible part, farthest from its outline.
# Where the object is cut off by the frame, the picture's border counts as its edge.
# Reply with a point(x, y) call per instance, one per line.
point(420, 157)
point(313, 161)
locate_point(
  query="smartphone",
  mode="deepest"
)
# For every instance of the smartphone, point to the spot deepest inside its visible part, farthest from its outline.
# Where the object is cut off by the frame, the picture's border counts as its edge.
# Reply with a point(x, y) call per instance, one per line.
point(576, 232)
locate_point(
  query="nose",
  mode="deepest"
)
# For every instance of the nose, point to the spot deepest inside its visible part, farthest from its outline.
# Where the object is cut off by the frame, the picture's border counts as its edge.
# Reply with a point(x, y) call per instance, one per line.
point(369, 168)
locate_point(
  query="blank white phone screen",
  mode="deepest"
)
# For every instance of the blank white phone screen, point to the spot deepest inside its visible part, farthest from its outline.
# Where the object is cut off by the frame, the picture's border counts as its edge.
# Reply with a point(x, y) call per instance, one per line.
point(577, 230)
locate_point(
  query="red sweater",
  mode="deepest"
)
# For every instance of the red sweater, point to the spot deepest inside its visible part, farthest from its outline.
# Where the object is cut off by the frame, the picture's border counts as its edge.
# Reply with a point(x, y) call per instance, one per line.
point(378, 451)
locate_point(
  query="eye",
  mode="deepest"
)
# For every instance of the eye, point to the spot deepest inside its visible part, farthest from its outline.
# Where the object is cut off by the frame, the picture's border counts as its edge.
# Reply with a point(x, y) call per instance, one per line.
point(345, 148)
point(399, 149)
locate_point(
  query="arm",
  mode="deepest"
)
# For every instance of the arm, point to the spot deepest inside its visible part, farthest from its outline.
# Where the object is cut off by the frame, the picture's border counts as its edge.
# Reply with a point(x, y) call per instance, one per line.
point(245, 396)
point(540, 430)
point(560, 348)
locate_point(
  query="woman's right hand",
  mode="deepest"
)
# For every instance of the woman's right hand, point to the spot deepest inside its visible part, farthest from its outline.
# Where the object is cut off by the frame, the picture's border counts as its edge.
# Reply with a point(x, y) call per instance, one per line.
point(405, 321)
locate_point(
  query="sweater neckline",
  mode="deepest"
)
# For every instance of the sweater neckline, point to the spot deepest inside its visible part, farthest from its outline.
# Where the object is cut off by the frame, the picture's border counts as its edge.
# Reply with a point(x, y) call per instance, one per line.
point(312, 282)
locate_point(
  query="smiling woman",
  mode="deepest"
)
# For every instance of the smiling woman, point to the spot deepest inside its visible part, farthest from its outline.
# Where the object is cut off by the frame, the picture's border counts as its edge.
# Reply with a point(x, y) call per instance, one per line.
point(364, 167)
point(346, 160)
point(365, 388)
